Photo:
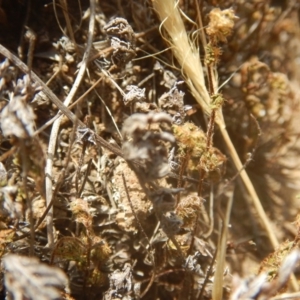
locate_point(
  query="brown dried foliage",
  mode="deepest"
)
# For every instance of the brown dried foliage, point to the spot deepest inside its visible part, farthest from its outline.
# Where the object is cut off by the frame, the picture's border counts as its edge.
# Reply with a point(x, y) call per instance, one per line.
point(141, 177)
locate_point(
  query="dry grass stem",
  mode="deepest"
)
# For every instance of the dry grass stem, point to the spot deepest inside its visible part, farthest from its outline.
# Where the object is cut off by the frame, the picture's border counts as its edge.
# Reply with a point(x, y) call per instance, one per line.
point(189, 60)
point(186, 54)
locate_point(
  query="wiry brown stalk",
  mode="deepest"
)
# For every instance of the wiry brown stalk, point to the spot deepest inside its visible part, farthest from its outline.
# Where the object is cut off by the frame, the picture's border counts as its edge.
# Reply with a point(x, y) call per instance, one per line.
point(212, 118)
point(25, 167)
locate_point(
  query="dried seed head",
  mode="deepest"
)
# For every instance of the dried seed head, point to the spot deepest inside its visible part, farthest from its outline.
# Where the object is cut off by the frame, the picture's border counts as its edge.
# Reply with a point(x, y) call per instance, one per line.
point(190, 138)
point(81, 212)
point(212, 54)
point(65, 45)
point(188, 209)
point(217, 101)
point(212, 163)
point(192, 141)
point(220, 25)
point(137, 126)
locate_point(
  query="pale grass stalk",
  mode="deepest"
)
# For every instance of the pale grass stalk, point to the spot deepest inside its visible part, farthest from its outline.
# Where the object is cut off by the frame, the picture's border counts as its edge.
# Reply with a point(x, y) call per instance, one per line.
point(189, 60)
point(287, 296)
point(211, 213)
point(186, 54)
point(217, 290)
point(56, 125)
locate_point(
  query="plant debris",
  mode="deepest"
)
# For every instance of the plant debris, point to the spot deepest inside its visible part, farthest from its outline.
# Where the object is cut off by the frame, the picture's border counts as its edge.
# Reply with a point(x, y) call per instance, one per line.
point(149, 149)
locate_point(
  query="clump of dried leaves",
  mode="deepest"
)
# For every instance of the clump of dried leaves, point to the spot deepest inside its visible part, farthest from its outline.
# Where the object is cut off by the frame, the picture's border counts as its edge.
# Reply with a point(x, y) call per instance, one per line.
point(115, 183)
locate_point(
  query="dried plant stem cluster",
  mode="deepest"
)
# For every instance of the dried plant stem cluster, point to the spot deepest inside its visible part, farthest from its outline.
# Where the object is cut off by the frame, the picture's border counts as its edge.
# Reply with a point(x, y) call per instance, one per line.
point(121, 173)
point(189, 59)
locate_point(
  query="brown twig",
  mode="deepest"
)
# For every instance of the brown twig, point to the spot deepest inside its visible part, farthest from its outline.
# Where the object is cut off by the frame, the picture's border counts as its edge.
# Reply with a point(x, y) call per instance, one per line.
point(25, 167)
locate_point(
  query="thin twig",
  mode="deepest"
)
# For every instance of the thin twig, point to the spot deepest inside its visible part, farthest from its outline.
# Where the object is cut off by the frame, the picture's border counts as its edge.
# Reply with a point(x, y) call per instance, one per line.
point(184, 161)
point(211, 213)
point(8, 153)
point(207, 276)
point(56, 124)
point(32, 39)
point(25, 167)
point(80, 163)
point(217, 290)
point(110, 114)
point(16, 61)
point(249, 158)
point(88, 170)
point(42, 128)
point(60, 181)
point(64, 6)
point(22, 35)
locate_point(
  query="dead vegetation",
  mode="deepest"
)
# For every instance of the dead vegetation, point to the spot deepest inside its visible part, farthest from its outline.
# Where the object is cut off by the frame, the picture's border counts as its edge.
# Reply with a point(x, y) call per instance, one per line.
point(149, 149)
